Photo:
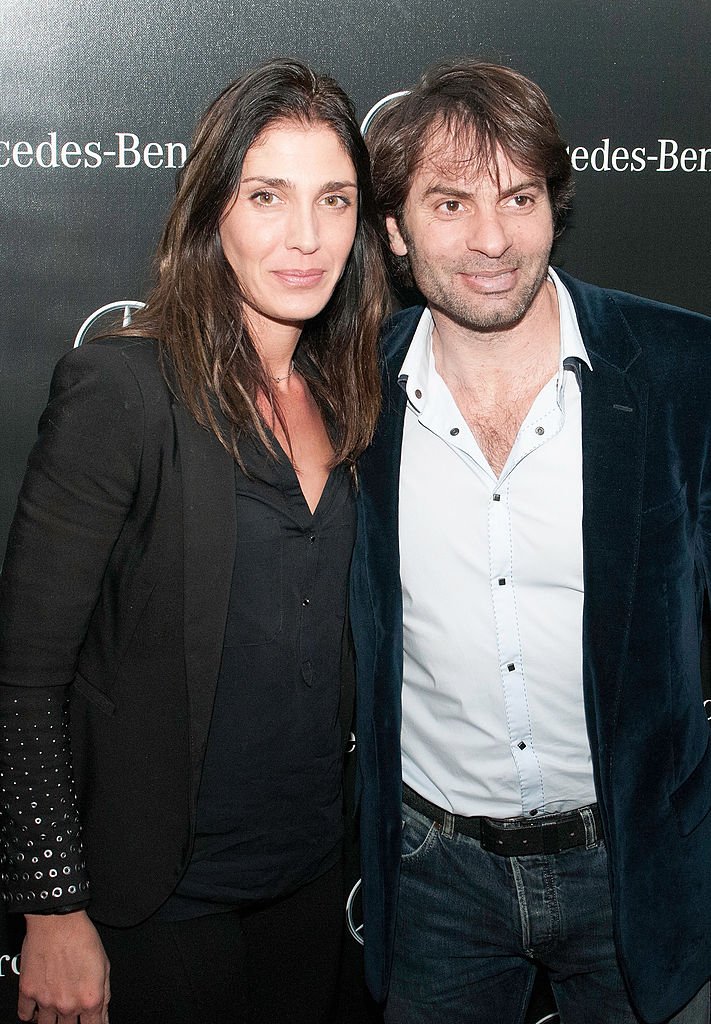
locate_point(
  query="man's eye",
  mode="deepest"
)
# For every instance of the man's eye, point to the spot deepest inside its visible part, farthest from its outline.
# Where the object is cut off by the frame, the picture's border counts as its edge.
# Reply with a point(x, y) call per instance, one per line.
point(521, 201)
point(452, 206)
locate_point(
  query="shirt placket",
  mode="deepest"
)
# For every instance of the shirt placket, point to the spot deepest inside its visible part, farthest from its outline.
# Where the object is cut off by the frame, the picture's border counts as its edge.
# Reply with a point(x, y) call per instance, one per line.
point(544, 421)
point(309, 541)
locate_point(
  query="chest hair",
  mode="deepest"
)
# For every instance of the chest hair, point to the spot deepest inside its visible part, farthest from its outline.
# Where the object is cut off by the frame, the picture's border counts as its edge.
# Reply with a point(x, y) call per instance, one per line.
point(494, 416)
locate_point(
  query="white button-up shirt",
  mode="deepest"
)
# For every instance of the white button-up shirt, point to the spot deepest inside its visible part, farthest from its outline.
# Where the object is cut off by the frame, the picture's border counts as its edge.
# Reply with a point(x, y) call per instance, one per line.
point(492, 582)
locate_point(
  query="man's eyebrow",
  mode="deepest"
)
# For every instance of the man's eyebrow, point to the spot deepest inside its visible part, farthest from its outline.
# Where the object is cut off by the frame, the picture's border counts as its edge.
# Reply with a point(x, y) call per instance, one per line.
point(522, 186)
point(441, 188)
point(285, 183)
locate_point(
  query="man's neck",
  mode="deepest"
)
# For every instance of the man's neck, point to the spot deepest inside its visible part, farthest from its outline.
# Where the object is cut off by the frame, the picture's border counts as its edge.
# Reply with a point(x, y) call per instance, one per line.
point(490, 360)
point(494, 378)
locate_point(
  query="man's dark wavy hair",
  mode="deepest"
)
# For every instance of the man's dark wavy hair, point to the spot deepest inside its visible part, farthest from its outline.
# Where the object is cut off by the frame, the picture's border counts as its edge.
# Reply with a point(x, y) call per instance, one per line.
point(471, 108)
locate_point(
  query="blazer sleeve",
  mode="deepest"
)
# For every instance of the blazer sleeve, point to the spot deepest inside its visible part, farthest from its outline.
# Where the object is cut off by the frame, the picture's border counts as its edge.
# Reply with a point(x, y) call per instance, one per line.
point(80, 483)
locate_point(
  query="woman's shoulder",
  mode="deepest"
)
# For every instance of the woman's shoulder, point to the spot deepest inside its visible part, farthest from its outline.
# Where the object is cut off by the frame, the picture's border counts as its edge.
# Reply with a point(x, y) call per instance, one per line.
point(116, 362)
point(114, 379)
point(116, 352)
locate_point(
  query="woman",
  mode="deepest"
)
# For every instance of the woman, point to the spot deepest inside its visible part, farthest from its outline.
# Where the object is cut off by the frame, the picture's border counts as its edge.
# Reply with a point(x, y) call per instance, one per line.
point(172, 614)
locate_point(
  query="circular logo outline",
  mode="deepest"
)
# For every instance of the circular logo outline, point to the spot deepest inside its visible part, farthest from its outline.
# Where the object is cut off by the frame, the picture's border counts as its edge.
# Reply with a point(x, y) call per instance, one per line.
point(378, 106)
point(128, 305)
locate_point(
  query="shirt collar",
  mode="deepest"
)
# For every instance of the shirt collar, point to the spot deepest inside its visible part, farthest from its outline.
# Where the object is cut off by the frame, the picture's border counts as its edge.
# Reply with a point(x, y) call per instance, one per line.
point(415, 371)
point(572, 347)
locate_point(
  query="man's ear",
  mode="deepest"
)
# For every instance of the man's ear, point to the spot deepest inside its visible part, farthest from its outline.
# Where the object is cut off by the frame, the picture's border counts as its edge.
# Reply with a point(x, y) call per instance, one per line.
point(397, 242)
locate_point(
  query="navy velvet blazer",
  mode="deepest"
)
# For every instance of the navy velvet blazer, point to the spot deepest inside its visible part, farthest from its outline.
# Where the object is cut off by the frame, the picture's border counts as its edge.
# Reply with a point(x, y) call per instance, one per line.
point(646, 426)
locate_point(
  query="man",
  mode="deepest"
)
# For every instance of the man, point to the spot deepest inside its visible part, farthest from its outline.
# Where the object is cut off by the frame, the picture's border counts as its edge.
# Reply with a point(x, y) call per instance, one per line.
point(534, 541)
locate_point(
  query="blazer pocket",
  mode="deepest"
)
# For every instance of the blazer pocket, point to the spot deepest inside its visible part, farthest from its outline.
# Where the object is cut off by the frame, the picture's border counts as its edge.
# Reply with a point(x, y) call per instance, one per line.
point(692, 799)
point(659, 516)
point(94, 696)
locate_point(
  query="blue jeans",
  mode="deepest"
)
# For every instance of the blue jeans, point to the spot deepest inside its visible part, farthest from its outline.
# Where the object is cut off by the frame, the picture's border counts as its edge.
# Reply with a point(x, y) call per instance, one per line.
point(472, 927)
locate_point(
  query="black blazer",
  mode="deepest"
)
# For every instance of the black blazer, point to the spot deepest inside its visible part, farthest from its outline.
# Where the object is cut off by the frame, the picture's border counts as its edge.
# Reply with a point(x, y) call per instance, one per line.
point(646, 426)
point(115, 587)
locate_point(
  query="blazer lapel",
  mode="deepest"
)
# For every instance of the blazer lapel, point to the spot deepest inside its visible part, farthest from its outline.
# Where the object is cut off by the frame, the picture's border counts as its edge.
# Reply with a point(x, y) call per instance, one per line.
point(379, 473)
point(614, 443)
point(614, 434)
point(379, 476)
point(209, 531)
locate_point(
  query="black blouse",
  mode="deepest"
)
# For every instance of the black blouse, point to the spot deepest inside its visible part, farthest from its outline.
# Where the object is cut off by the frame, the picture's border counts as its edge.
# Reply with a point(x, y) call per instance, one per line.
point(269, 815)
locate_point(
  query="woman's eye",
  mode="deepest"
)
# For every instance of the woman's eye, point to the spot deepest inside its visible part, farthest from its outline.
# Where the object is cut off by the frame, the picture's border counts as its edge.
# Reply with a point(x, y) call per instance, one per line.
point(264, 198)
point(336, 201)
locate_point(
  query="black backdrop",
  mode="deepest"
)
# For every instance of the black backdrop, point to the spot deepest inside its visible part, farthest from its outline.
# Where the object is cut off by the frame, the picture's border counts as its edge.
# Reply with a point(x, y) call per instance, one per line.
point(93, 94)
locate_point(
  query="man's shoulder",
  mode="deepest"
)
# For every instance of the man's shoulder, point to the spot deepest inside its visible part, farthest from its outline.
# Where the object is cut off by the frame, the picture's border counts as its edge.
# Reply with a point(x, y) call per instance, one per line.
point(647, 316)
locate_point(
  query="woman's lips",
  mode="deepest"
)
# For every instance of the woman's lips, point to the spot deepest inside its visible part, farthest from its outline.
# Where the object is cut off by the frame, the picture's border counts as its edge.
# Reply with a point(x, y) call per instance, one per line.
point(299, 278)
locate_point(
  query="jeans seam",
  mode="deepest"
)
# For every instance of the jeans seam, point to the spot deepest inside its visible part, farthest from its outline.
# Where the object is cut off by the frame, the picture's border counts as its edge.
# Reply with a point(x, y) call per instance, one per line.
point(551, 905)
point(424, 846)
point(522, 904)
point(526, 999)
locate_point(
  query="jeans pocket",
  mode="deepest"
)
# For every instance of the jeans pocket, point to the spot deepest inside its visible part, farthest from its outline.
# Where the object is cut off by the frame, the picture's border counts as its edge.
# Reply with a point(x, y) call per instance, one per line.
point(418, 834)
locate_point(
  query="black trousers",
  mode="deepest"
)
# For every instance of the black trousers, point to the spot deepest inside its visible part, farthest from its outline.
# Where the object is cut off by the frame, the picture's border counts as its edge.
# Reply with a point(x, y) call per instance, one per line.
point(272, 964)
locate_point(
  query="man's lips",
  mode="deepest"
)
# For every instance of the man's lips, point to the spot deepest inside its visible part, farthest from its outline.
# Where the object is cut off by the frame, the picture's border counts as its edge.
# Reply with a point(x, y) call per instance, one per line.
point(299, 278)
point(489, 282)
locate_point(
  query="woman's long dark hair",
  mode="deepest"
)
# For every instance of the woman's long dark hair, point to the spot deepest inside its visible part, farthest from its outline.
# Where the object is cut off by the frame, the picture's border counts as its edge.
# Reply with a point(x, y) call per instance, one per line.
point(195, 308)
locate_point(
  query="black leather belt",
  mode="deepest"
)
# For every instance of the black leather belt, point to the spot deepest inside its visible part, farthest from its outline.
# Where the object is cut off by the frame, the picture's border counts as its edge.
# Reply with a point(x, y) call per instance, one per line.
point(518, 837)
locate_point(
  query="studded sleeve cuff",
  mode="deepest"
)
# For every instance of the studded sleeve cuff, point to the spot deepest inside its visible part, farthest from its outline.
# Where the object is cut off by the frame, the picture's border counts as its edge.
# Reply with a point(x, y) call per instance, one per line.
point(42, 863)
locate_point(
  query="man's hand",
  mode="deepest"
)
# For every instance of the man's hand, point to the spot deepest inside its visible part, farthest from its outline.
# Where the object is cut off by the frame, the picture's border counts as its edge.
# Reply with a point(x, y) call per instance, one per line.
point(64, 971)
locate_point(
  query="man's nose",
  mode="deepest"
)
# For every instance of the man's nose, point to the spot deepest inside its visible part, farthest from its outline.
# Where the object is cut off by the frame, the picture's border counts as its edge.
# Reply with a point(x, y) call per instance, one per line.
point(489, 234)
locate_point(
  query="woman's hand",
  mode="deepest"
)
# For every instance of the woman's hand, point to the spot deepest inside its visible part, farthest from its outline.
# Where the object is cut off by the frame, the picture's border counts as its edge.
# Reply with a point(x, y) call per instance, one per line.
point(64, 971)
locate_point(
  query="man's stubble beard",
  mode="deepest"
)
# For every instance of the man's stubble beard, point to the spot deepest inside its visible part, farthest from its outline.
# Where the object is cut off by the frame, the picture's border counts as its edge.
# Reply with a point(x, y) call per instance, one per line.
point(461, 309)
